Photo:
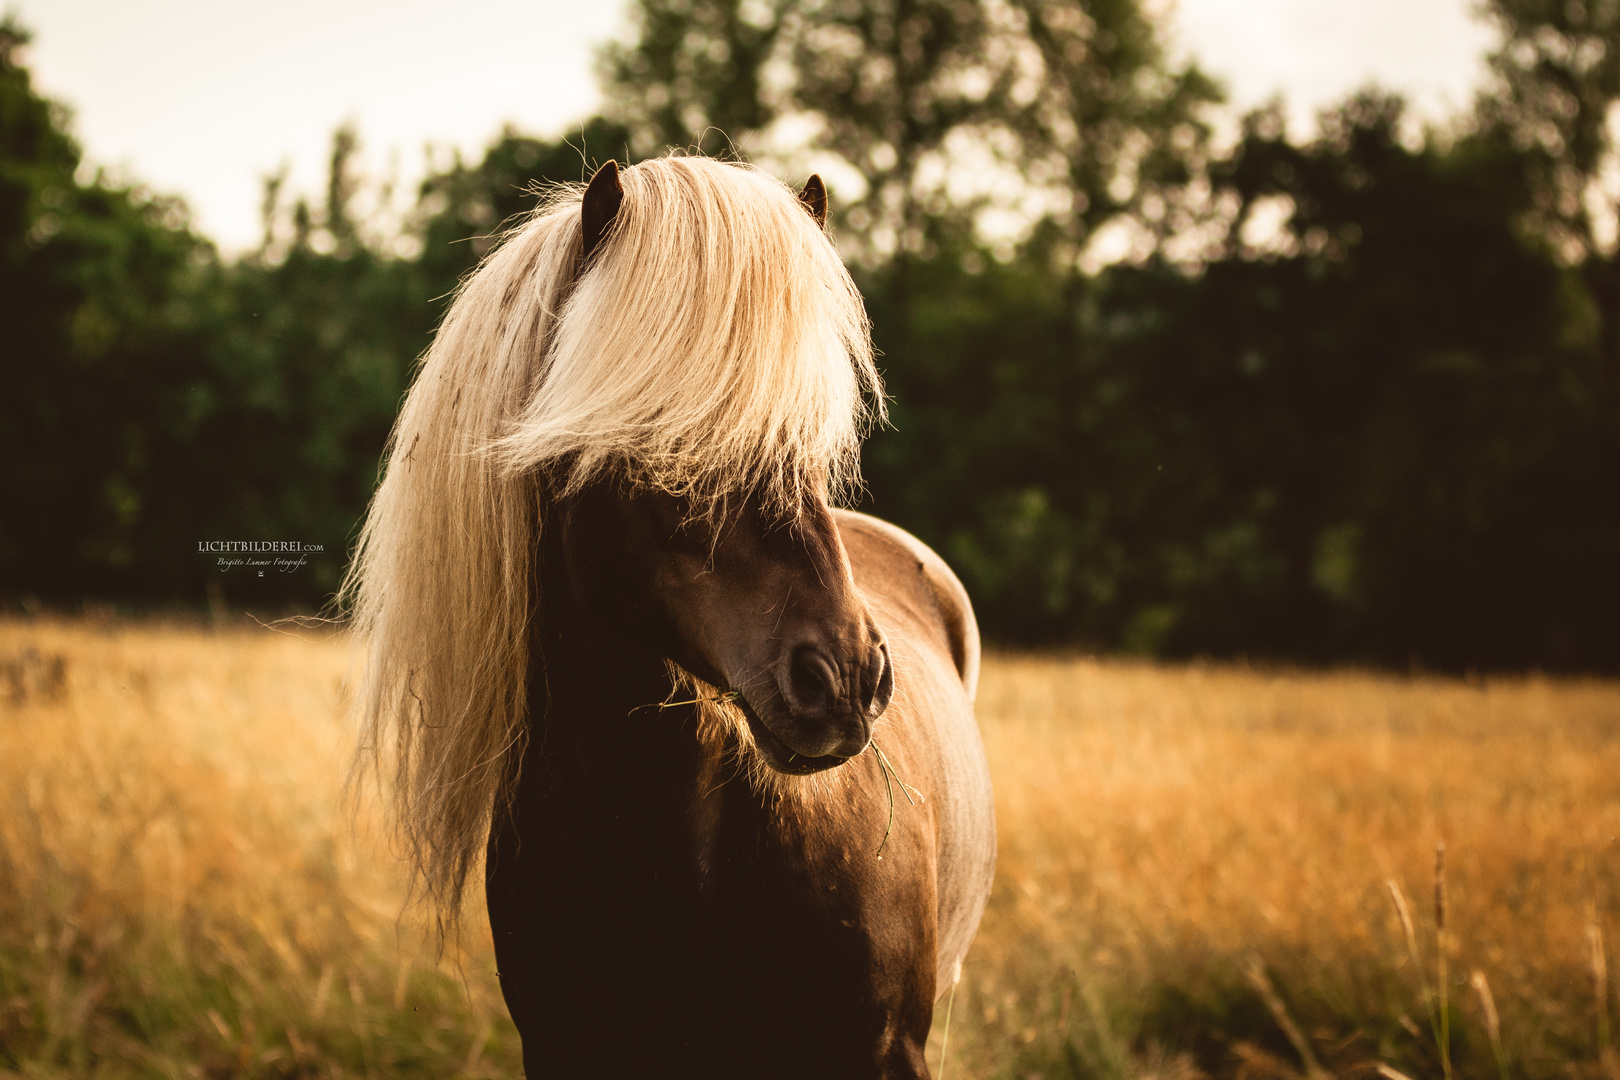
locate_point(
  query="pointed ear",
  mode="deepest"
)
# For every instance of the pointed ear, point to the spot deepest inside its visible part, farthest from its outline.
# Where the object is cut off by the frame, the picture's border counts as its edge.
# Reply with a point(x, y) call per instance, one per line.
point(601, 206)
point(814, 197)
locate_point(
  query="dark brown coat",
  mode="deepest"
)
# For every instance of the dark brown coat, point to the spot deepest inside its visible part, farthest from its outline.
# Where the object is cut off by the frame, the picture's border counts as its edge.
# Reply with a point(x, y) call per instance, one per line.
point(664, 906)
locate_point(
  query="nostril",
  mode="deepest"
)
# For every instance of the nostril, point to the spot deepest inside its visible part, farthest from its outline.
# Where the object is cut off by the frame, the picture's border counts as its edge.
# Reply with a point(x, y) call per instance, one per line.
point(812, 679)
point(883, 685)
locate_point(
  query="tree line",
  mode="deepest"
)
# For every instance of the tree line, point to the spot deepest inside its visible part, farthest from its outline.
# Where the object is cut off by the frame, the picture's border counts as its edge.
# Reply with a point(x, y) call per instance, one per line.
point(1353, 398)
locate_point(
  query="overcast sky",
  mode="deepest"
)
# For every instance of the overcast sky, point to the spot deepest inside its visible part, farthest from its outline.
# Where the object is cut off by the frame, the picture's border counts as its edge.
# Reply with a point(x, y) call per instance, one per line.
point(204, 97)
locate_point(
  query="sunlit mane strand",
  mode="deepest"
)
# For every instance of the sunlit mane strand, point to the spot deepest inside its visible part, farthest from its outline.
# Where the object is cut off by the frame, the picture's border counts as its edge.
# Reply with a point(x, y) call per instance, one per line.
point(714, 344)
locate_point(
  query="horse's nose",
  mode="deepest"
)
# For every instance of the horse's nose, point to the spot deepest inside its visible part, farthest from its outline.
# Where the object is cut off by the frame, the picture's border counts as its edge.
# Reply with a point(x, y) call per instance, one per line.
point(882, 683)
point(833, 696)
point(818, 685)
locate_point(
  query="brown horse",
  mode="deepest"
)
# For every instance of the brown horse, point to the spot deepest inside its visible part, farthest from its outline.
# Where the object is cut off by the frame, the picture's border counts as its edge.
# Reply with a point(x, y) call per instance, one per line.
point(714, 738)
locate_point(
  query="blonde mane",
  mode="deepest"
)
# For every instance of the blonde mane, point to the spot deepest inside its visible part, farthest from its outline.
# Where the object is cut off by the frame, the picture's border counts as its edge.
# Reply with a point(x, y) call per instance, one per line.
point(714, 344)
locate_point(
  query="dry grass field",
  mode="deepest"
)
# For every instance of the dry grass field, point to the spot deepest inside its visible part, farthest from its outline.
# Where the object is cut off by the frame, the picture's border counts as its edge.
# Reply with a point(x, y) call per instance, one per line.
point(1194, 876)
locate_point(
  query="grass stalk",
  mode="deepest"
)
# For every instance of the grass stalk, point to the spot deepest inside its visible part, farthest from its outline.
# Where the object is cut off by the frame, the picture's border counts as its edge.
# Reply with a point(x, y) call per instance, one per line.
point(1493, 1022)
point(1255, 972)
point(1111, 1053)
point(1409, 930)
point(1600, 984)
point(729, 695)
point(888, 771)
point(1443, 987)
point(945, 1039)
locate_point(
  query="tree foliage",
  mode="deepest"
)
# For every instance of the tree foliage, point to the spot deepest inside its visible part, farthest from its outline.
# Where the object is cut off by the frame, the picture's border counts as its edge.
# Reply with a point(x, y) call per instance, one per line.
point(105, 316)
point(1353, 398)
point(1072, 100)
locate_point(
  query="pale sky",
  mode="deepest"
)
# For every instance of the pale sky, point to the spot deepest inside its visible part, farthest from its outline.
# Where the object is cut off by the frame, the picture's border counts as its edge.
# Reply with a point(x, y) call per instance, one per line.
point(205, 97)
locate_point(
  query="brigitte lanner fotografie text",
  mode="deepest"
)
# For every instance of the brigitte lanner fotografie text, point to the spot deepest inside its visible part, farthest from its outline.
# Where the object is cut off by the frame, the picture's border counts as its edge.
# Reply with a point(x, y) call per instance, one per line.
point(283, 556)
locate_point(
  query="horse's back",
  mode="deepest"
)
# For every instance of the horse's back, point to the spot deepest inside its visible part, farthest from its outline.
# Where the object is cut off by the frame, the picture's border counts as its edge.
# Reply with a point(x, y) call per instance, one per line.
point(934, 645)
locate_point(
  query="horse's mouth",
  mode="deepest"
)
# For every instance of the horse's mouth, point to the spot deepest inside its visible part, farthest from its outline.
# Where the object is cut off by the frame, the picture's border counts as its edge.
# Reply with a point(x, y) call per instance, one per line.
point(778, 754)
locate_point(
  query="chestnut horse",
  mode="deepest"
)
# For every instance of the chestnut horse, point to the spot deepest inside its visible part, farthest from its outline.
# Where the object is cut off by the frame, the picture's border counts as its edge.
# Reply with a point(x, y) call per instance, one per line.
point(712, 738)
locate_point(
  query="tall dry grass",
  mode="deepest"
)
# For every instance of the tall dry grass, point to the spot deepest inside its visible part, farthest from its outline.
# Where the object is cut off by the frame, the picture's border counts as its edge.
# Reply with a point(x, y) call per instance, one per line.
point(1167, 831)
point(1194, 860)
point(181, 893)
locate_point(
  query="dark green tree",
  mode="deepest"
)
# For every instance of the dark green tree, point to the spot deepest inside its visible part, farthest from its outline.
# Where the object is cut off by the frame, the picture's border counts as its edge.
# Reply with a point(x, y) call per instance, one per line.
point(314, 347)
point(105, 294)
point(1556, 88)
point(1388, 431)
point(1071, 98)
point(694, 77)
point(464, 209)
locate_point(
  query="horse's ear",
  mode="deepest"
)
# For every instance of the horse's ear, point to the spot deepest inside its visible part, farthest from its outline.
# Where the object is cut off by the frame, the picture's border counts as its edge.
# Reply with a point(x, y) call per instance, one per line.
point(602, 199)
point(814, 197)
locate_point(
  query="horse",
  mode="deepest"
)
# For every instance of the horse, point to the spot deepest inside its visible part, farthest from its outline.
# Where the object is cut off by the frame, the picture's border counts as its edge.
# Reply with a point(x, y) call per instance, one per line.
point(710, 737)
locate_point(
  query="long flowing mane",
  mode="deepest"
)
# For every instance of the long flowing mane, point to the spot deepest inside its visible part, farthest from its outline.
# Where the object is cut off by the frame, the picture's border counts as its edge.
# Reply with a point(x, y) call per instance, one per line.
point(714, 343)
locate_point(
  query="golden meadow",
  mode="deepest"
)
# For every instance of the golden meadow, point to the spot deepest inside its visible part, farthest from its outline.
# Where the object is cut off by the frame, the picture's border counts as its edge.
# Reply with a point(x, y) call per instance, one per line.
point(1195, 876)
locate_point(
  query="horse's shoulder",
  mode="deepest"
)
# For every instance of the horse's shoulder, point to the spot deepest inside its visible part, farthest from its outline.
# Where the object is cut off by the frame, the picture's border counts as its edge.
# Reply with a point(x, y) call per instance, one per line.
point(891, 563)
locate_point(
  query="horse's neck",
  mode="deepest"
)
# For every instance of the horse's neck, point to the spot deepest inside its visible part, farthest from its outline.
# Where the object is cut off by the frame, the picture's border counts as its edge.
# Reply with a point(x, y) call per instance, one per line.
point(600, 749)
point(589, 692)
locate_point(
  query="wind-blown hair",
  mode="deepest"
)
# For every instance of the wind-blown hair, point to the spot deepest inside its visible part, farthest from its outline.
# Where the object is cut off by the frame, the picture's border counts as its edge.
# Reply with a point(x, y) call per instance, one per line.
point(714, 343)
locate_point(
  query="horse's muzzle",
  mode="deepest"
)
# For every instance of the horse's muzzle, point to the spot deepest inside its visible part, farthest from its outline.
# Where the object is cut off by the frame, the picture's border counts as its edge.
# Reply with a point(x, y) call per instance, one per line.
point(827, 701)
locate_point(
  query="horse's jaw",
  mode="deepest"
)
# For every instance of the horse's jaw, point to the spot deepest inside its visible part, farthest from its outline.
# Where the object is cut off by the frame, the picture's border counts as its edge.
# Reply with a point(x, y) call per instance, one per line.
point(778, 754)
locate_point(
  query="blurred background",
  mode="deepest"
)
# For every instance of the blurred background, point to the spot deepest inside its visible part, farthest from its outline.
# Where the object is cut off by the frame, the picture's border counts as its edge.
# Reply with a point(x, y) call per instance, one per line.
point(1177, 368)
point(1267, 349)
